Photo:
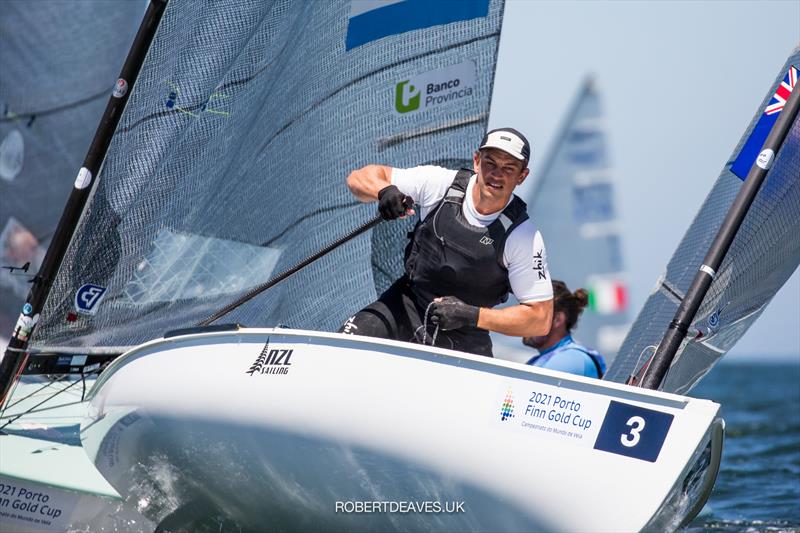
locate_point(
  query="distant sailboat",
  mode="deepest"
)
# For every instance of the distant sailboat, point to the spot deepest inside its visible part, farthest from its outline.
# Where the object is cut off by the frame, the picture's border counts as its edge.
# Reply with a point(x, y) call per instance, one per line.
point(573, 205)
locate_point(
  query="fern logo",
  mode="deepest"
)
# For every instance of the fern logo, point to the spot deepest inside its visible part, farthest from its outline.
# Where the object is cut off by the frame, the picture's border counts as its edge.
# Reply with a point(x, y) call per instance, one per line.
point(258, 365)
point(271, 361)
point(406, 97)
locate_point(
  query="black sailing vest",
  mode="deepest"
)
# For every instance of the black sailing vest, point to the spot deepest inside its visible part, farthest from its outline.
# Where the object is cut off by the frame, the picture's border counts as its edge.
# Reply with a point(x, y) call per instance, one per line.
point(448, 256)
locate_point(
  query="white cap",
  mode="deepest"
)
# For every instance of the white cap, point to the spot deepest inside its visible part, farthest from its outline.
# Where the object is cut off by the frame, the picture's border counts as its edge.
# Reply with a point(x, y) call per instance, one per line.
point(508, 140)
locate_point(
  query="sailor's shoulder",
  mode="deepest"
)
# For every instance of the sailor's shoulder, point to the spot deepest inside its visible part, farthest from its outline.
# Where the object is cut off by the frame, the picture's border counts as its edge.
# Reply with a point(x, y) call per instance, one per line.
point(524, 232)
point(573, 349)
point(425, 171)
point(576, 347)
point(518, 204)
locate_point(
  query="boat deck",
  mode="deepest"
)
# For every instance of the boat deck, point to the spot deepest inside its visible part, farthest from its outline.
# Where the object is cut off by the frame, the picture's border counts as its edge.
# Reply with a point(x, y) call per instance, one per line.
point(44, 445)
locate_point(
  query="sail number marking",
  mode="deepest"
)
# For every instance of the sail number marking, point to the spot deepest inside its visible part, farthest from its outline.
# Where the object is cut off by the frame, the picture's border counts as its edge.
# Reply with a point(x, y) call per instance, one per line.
point(632, 438)
point(633, 431)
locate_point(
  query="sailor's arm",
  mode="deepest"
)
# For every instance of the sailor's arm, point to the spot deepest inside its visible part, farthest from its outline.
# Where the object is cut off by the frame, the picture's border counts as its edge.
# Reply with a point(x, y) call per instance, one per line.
point(374, 182)
point(529, 277)
point(531, 319)
point(366, 182)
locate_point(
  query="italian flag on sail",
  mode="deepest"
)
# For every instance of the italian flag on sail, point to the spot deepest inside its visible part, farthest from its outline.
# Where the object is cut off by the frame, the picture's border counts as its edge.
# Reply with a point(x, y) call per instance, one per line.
point(607, 296)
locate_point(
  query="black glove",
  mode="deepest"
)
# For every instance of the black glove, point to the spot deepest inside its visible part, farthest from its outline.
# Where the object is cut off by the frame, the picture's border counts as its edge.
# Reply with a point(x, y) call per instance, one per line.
point(392, 203)
point(451, 313)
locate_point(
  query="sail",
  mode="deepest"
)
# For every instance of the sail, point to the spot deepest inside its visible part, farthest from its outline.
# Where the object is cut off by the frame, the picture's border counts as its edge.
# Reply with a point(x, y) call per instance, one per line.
point(764, 254)
point(229, 162)
point(573, 205)
point(58, 61)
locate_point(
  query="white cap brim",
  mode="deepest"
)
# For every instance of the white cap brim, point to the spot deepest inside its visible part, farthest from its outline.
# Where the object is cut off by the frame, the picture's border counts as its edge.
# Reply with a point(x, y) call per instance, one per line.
point(507, 142)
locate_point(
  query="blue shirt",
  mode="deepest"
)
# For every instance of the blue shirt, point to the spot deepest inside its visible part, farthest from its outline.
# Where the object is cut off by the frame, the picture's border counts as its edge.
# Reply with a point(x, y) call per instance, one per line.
point(569, 356)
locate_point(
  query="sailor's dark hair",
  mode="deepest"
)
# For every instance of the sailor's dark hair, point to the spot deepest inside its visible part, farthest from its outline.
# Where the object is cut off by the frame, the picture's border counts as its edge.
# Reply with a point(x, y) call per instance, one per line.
point(570, 303)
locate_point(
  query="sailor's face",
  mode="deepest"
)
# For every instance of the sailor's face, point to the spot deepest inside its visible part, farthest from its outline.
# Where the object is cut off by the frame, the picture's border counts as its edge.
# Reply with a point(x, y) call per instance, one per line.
point(498, 173)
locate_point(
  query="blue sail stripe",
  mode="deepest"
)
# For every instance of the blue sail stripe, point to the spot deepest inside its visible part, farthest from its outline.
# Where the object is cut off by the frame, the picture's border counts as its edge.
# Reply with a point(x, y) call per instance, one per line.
point(752, 147)
point(409, 15)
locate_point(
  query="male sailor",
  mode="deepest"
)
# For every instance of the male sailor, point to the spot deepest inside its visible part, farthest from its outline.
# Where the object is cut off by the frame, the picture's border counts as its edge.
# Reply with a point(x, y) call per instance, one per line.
point(557, 349)
point(473, 245)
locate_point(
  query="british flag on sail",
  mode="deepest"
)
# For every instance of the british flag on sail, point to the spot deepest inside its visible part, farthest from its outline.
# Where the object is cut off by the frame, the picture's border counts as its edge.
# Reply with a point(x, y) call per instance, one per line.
point(752, 147)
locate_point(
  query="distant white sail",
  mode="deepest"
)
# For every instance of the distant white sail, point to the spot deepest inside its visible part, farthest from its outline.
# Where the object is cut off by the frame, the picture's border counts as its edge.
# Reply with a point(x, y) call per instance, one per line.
point(764, 254)
point(573, 205)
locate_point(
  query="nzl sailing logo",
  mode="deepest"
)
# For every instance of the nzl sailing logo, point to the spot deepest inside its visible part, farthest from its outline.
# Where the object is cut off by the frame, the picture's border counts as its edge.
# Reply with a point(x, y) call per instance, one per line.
point(271, 361)
point(507, 407)
point(88, 299)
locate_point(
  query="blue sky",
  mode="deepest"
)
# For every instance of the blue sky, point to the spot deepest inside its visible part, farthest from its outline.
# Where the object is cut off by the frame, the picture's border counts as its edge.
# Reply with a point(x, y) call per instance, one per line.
point(680, 82)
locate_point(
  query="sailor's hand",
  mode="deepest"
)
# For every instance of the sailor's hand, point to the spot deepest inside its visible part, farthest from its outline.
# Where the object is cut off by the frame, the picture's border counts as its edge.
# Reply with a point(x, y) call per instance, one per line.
point(451, 313)
point(394, 204)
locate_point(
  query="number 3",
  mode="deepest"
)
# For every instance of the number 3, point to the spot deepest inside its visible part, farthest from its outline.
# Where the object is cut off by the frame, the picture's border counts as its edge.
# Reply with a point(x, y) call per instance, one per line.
point(631, 440)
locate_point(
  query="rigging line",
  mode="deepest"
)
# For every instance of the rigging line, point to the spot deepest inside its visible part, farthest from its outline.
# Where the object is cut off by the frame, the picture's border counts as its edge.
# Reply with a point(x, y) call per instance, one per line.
point(37, 391)
point(33, 409)
point(306, 217)
point(52, 110)
point(43, 409)
point(634, 378)
point(255, 291)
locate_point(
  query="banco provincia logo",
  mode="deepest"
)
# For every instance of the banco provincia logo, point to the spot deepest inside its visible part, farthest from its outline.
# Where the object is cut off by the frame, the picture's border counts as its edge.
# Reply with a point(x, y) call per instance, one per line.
point(507, 408)
point(435, 88)
point(271, 361)
point(406, 97)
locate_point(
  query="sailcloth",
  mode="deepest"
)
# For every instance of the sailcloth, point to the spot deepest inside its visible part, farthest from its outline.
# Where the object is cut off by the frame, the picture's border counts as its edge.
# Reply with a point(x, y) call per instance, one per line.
point(764, 254)
point(58, 62)
point(573, 205)
point(230, 160)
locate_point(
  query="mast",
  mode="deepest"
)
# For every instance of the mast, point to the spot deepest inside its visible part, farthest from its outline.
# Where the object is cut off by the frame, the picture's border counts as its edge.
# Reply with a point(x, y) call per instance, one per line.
point(15, 357)
point(679, 326)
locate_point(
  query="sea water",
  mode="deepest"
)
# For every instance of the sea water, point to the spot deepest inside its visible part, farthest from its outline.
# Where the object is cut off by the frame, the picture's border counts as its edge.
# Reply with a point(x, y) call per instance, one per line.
point(758, 487)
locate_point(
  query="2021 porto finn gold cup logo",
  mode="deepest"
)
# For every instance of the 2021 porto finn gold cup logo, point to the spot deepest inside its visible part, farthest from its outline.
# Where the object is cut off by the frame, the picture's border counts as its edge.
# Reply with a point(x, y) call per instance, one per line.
point(435, 88)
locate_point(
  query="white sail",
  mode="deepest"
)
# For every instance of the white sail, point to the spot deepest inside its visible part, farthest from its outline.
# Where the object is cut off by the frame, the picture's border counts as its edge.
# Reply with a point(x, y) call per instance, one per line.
point(573, 205)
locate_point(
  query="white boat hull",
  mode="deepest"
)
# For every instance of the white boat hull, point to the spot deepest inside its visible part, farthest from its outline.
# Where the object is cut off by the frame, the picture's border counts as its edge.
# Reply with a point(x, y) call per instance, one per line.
point(47, 482)
point(294, 429)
